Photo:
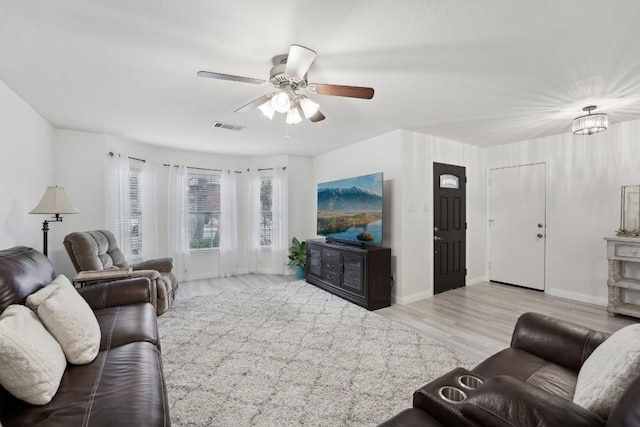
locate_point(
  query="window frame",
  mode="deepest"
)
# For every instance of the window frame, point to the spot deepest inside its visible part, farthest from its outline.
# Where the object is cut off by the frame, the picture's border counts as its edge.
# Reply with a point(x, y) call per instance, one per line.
point(214, 177)
point(135, 215)
point(266, 175)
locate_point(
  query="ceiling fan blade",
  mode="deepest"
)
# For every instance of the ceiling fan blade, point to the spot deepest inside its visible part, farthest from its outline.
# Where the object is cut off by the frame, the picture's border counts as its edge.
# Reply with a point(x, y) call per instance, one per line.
point(230, 77)
point(255, 103)
point(317, 117)
point(298, 62)
point(338, 90)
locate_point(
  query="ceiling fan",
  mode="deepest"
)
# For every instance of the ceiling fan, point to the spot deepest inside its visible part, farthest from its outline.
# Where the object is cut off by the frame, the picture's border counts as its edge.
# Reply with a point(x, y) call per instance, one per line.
point(289, 76)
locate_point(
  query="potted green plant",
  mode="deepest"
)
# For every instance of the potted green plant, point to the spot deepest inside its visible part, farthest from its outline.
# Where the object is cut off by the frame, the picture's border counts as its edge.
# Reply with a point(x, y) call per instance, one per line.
point(298, 257)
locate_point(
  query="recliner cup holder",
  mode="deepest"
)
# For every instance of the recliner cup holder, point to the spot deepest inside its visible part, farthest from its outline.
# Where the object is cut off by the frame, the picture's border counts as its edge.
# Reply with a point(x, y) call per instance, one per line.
point(469, 382)
point(451, 394)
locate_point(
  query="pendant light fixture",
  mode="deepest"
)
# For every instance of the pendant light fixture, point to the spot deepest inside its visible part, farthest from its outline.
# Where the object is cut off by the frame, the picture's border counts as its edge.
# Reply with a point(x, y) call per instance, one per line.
point(590, 123)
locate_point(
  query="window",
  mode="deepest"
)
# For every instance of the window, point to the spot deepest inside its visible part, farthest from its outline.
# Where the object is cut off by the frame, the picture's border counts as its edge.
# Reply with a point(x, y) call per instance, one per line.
point(449, 181)
point(204, 211)
point(266, 213)
point(134, 223)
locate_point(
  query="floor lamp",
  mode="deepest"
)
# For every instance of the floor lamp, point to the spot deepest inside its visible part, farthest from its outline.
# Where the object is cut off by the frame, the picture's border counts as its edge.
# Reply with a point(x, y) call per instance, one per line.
point(54, 202)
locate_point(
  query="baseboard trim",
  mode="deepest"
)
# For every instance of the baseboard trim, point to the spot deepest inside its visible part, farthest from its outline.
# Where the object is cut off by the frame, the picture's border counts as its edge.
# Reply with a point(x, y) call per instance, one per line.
point(477, 280)
point(212, 275)
point(427, 294)
point(411, 298)
point(577, 297)
point(202, 276)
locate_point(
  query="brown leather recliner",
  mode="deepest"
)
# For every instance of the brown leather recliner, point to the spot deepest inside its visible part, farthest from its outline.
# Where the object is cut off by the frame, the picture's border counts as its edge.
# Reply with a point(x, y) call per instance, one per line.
point(531, 383)
point(98, 250)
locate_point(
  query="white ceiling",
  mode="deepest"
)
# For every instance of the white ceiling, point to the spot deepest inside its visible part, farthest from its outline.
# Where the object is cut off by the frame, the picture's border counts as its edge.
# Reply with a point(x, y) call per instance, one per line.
point(484, 72)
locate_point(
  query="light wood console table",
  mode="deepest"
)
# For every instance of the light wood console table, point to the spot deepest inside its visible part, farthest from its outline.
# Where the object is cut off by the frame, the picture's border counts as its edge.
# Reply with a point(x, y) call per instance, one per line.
point(622, 250)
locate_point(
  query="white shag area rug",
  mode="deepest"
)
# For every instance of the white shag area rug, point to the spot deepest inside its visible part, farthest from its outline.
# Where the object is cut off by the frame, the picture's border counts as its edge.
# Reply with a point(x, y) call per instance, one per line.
point(292, 355)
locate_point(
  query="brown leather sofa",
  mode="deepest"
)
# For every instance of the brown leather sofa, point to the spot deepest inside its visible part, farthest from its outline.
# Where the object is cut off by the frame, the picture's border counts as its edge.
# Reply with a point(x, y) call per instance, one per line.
point(531, 383)
point(124, 385)
point(98, 250)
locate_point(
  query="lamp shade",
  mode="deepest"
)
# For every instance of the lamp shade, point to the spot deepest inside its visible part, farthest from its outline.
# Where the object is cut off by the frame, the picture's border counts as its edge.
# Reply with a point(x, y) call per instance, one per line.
point(281, 102)
point(308, 107)
point(267, 109)
point(590, 123)
point(55, 201)
point(293, 117)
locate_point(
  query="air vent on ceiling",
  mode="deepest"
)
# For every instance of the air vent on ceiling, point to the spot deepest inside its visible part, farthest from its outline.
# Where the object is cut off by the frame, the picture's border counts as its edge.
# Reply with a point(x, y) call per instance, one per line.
point(226, 126)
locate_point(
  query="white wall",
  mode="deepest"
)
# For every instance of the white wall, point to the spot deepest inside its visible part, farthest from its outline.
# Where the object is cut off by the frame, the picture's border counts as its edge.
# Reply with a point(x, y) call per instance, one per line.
point(378, 154)
point(419, 152)
point(80, 161)
point(302, 198)
point(25, 171)
point(584, 176)
point(583, 201)
point(406, 160)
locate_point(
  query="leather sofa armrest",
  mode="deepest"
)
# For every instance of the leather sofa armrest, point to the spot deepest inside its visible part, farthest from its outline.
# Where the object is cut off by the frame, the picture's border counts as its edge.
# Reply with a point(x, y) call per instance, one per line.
point(447, 412)
point(411, 417)
point(555, 340)
point(121, 292)
point(163, 265)
point(504, 401)
point(153, 276)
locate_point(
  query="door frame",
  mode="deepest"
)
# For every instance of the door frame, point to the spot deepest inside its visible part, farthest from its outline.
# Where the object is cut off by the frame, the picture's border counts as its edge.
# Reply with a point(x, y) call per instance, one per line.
point(548, 227)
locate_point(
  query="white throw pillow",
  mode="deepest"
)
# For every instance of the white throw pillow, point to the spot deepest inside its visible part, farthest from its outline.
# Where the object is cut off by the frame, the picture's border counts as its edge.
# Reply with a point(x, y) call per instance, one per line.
point(69, 319)
point(31, 359)
point(608, 371)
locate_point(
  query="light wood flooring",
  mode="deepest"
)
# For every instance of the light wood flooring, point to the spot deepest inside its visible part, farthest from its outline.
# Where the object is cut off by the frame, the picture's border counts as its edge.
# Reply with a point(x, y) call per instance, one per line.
point(476, 319)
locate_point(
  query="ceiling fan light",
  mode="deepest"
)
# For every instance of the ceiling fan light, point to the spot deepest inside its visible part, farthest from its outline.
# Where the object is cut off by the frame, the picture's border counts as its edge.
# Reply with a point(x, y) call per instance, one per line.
point(590, 123)
point(267, 109)
point(308, 107)
point(293, 117)
point(281, 102)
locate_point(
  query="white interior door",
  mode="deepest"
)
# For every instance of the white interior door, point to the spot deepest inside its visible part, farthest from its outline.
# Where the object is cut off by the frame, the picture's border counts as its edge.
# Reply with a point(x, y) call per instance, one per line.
point(517, 225)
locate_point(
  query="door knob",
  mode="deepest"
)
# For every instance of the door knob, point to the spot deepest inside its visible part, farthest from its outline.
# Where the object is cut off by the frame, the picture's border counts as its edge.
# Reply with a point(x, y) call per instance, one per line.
point(540, 235)
point(540, 226)
point(436, 238)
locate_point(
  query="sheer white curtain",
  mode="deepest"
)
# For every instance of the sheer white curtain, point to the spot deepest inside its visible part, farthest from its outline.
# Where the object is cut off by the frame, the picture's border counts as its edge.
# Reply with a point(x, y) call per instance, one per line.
point(117, 202)
point(253, 229)
point(280, 209)
point(228, 225)
point(149, 175)
point(178, 236)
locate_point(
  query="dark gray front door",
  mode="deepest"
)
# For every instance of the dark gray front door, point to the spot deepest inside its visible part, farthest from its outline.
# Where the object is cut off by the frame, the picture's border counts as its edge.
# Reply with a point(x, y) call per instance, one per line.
point(449, 227)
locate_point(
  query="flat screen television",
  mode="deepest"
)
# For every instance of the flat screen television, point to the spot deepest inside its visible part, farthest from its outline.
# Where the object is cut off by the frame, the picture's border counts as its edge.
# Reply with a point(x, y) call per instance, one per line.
point(350, 210)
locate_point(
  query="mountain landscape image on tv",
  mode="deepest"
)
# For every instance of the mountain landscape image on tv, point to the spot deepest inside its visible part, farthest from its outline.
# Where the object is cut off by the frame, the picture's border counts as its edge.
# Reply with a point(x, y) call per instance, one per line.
point(351, 209)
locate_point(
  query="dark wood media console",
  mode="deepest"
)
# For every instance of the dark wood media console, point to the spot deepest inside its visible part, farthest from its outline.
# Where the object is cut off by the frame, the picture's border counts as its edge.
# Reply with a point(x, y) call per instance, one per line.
point(359, 275)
